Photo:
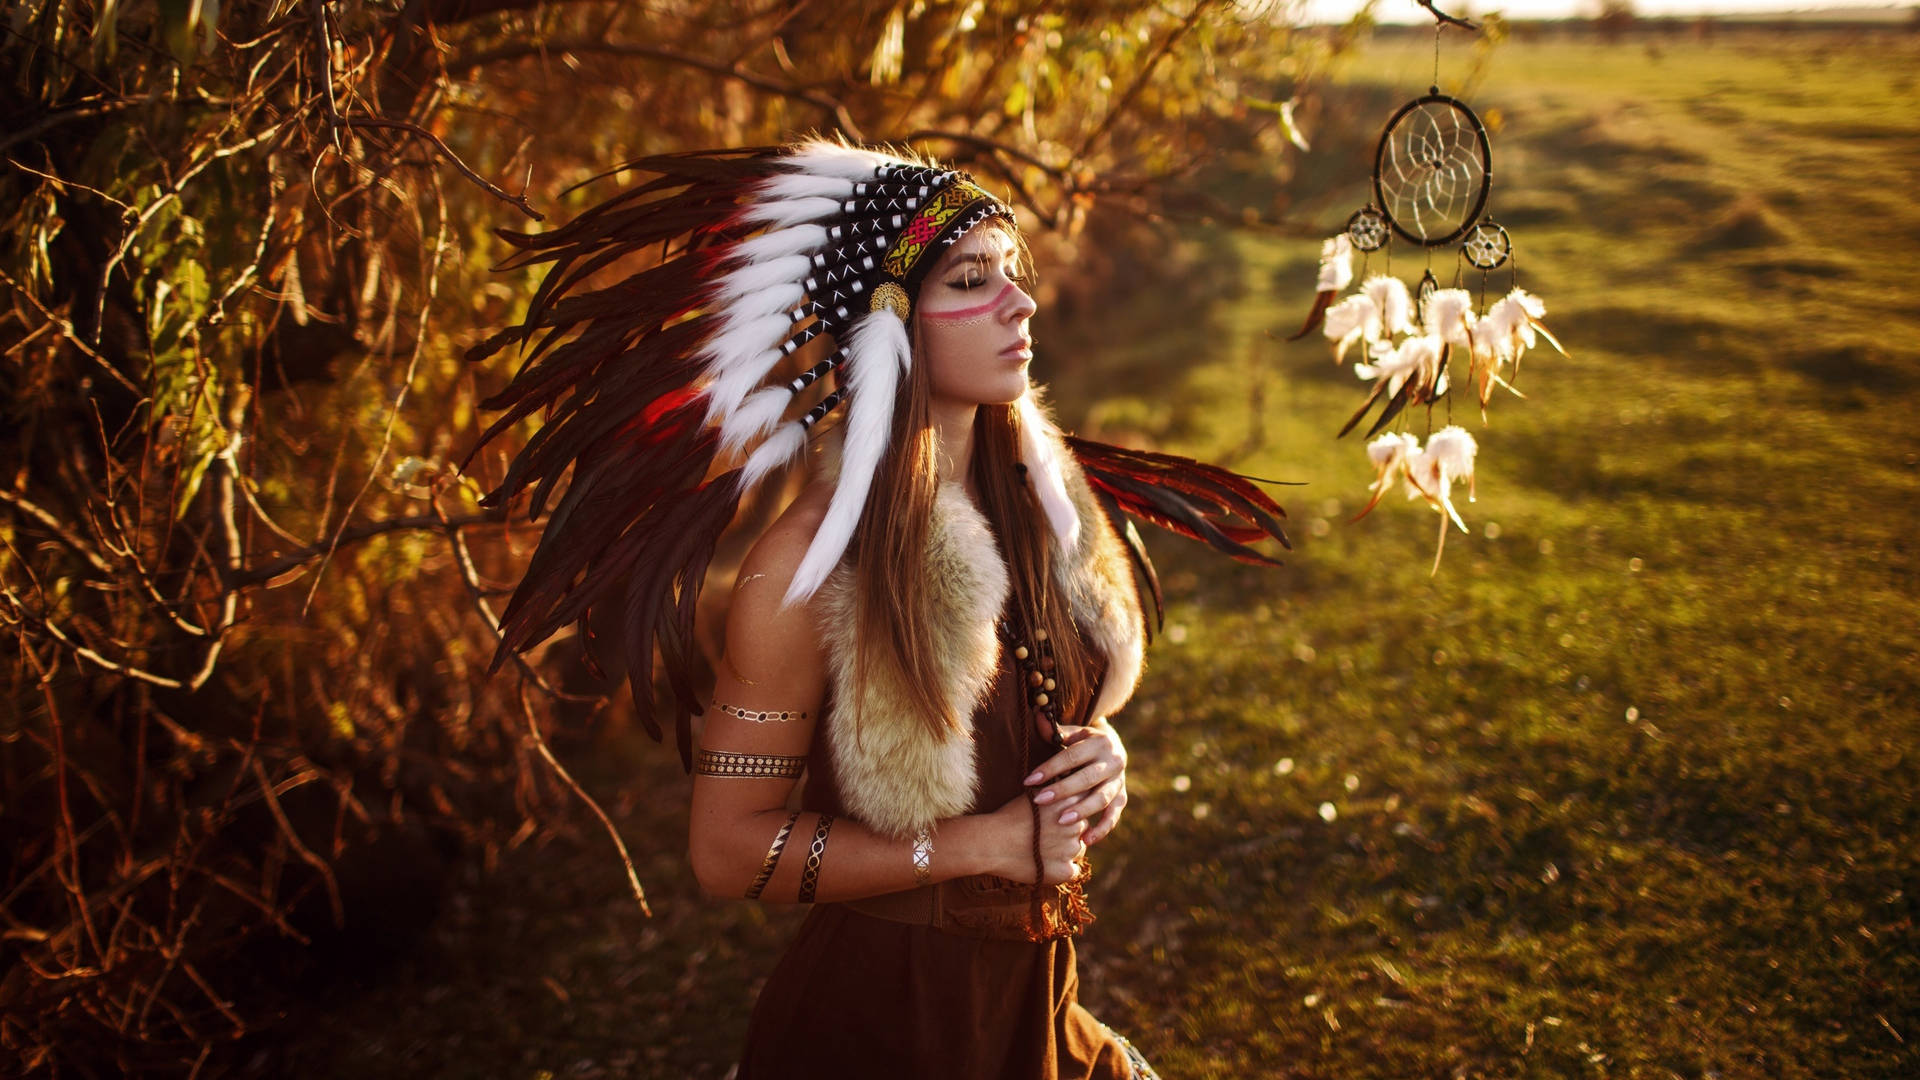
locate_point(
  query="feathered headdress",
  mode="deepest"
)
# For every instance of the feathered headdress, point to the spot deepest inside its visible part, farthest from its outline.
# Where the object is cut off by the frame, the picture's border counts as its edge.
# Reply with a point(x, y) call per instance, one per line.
point(649, 382)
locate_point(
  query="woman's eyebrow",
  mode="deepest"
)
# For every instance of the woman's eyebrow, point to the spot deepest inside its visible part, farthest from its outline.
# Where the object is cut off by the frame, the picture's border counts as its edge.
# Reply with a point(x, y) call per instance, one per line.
point(983, 258)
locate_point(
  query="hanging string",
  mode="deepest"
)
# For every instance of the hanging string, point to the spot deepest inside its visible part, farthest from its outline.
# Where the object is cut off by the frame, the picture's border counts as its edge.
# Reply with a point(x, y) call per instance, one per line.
point(1436, 55)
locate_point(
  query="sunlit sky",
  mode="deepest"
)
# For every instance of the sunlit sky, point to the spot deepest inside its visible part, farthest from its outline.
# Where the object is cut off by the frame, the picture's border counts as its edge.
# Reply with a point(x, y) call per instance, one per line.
point(1407, 11)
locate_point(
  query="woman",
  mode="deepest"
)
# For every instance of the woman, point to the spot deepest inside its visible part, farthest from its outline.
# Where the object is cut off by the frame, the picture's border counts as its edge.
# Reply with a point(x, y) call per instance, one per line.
point(933, 634)
point(865, 989)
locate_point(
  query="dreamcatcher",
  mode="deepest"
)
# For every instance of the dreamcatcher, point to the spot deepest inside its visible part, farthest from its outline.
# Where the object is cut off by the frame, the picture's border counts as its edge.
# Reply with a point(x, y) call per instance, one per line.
point(1432, 175)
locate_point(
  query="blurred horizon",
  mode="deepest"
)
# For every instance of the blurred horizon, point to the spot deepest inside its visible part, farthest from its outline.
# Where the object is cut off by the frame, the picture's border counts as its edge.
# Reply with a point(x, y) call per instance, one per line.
point(1407, 11)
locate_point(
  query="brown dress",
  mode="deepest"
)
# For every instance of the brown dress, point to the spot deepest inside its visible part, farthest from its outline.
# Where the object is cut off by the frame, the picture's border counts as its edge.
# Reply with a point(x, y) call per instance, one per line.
point(856, 995)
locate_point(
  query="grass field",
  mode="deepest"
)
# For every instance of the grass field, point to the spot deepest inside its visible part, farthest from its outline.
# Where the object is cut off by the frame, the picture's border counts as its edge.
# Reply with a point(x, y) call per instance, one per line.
point(1626, 789)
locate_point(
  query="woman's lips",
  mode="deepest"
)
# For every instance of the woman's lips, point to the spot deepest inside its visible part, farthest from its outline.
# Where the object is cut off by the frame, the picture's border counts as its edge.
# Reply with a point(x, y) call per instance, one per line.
point(1022, 349)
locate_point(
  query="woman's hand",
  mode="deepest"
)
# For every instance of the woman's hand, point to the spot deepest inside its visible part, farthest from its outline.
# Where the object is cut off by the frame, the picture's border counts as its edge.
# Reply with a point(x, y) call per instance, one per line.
point(1060, 845)
point(1086, 782)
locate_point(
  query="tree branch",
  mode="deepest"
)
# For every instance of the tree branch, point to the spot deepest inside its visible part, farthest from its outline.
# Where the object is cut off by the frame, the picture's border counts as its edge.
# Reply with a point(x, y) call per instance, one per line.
point(67, 116)
point(1444, 18)
point(518, 202)
point(818, 100)
point(53, 524)
point(255, 575)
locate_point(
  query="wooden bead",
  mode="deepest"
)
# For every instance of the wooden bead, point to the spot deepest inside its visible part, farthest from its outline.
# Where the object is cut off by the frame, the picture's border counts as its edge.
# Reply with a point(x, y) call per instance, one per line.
point(1040, 699)
point(1020, 652)
point(1048, 684)
point(1040, 635)
point(1036, 678)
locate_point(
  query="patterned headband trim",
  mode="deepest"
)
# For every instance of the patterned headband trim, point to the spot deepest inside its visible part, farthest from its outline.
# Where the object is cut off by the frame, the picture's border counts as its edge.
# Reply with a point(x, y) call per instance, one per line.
point(948, 216)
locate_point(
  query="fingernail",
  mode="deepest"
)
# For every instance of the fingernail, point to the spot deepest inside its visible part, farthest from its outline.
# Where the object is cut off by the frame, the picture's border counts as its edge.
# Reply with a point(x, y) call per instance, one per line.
point(1035, 778)
point(1068, 817)
point(1043, 798)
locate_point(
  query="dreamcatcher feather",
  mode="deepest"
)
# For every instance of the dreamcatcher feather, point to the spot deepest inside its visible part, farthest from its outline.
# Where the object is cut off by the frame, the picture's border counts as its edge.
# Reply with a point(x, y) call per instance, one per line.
point(1432, 174)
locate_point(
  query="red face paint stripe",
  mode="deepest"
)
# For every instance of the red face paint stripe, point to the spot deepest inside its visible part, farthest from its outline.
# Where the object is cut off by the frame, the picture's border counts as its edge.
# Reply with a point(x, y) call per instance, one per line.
point(972, 312)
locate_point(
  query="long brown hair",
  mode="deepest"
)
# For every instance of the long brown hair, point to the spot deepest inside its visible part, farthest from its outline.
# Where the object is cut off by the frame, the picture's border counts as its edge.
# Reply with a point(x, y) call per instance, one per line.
point(889, 547)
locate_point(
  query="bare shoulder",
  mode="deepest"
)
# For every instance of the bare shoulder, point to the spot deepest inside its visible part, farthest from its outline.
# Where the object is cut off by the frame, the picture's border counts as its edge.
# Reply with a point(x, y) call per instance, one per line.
point(765, 636)
point(776, 556)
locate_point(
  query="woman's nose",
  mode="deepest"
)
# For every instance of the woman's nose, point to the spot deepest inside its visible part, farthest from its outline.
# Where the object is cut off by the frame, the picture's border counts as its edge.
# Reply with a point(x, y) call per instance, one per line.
point(1019, 305)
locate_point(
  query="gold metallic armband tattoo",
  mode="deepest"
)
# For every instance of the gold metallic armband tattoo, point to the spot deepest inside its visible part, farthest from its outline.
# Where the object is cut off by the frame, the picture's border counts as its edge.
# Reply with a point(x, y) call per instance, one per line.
point(727, 763)
point(773, 858)
point(810, 877)
point(759, 716)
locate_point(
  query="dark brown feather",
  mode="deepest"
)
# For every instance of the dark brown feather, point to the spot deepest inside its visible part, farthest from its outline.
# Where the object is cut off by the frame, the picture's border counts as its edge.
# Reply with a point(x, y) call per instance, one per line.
point(1314, 318)
point(1196, 500)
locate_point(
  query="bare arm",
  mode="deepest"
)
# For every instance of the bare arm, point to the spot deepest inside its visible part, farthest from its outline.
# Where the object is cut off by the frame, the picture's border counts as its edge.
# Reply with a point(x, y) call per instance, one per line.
point(774, 663)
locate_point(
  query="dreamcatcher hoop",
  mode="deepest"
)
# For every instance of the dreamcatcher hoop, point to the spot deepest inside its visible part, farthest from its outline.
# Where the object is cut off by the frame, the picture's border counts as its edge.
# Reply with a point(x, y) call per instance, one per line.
point(1367, 229)
point(1487, 246)
point(1432, 170)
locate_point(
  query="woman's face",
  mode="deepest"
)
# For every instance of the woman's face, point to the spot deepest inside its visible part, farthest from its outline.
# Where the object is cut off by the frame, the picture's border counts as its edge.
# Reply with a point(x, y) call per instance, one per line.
point(973, 321)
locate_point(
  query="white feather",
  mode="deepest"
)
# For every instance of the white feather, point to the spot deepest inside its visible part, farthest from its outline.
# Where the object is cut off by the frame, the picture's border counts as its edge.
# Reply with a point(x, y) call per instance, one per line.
point(1390, 299)
point(1398, 364)
point(1453, 450)
point(1423, 476)
point(1347, 321)
point(738, 356)
point(802, 185)
point(1454, 447)
point(1513, 319)
point(760, 275)
point(1448, 315)
point(756, 416)
point(792, 240)
point(1384, 450)
point(1039, 441)
point(781, 447)
point(744, 341)
point(1347, 316)
point(784, 212)
point(773, 300)
point(739, 338)
point(1336, 263)
point(1490, 345)
point(1535, 307)
point(838, 159)
point(877, 352)
point(1504, 318)
point(731, 387)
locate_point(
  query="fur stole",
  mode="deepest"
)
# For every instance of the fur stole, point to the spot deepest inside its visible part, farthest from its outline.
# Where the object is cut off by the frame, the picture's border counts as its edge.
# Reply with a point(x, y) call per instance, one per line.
point(897, 777)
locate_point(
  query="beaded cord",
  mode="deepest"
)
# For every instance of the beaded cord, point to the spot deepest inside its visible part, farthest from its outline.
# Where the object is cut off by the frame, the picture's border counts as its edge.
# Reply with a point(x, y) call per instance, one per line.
point(1034, 666)
point(1032, 655)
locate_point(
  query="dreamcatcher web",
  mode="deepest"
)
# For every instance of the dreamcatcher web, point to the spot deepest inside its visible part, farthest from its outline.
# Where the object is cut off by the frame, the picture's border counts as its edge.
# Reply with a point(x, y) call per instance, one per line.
point(1432, 170)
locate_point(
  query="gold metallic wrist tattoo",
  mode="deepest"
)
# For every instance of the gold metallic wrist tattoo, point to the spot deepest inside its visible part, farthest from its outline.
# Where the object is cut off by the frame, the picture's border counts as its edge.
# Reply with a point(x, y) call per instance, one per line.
point(756, 716)
point(810, 877)
point(773, 858)
point(725, 763)
point(923, 857)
